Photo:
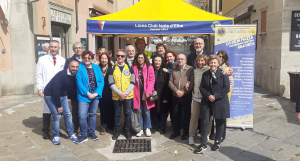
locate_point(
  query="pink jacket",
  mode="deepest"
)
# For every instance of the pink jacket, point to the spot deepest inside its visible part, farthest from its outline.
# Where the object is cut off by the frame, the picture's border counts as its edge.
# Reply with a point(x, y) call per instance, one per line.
point(148, 86)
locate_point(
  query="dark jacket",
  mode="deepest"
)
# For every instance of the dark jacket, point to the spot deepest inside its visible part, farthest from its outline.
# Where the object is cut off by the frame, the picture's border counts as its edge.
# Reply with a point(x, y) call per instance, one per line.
point(161, 87)
point(59, 85)
point(192, 57)
point(72, 94)
point(219, 87)
point(107, 93)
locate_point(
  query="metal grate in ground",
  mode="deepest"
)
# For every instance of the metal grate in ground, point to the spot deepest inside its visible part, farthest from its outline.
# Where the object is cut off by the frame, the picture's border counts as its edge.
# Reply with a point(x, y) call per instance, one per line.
point(132, 146)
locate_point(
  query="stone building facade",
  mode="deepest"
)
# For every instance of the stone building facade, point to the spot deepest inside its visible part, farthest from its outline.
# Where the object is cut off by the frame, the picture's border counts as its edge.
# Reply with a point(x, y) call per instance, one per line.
point(273, 57)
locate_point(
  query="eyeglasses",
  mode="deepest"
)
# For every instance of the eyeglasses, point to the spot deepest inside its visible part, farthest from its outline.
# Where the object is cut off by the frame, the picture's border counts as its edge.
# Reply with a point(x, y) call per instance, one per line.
point(198, 43)
point(120, 56)
point(87, 58)
point(220, 56)
point(141, 58)
point(179, 59)
point(77, 48)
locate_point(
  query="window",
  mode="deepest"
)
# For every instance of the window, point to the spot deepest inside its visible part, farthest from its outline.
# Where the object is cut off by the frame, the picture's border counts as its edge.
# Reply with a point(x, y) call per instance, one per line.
point(111, 1)
point(220, 5)
point(264, 21)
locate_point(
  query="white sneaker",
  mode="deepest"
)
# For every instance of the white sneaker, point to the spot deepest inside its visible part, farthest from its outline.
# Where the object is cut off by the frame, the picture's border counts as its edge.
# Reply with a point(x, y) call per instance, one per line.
point(148, 132)
point(140, 133)
point(207, 138)
point(191, 140)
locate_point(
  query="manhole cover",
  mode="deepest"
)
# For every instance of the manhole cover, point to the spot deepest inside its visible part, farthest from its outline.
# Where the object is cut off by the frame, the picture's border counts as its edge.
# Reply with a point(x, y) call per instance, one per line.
point(132, 146)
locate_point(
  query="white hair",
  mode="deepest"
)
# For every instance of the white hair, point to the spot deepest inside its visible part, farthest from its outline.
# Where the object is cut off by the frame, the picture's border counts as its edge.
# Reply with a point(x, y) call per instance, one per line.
point(130, 46)
point(77, 43)
point(46, 45)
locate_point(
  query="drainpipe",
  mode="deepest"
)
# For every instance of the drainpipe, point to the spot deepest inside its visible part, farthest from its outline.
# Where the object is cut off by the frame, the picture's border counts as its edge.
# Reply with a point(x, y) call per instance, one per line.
point(76, 12)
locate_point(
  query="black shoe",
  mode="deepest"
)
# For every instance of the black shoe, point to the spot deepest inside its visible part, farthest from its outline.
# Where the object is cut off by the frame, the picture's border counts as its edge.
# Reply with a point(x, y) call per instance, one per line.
point(200, 149)
point(216, 146)
point(212, 137)
point(102, 131)
point(184, 137)
point(116, 135)
point(173, 136)
point(162, 131)
point(128, 134)
point(45, 135)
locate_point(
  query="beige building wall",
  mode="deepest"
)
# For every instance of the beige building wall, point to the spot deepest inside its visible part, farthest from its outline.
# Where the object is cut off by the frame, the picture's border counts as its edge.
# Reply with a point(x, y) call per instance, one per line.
point(228, 5)
point(273, 59)
point(6, 58)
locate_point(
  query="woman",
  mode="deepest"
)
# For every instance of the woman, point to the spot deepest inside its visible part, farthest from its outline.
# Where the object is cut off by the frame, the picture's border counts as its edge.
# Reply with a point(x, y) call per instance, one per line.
point(224, 65)
point(201, 67)
point(144, 86)
point(214, 88)
point(90, 84)
point(106, 103)
point(159, 113)
point(170, 60)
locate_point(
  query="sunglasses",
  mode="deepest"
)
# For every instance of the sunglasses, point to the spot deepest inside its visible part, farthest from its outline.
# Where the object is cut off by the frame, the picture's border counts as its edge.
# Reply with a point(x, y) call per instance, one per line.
point(220, 56)
point(120, 56)
point(87, 58)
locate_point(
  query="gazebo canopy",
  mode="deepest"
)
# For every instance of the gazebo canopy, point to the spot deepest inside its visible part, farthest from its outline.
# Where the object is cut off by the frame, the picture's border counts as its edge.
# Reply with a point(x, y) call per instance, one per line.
point(157, 18)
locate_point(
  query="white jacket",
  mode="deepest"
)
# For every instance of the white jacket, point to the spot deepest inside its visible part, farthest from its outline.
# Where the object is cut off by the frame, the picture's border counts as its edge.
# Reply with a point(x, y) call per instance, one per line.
point(198, 72)
point(46, 70)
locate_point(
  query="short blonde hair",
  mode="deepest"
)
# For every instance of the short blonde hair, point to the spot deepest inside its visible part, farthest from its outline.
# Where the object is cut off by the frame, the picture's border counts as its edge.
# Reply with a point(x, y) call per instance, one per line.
point(212, 57)
point(199, 57)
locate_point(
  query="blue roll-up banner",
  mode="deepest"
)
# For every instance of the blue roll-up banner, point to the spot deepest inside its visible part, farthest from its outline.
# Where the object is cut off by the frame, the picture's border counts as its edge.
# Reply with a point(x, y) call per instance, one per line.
point(239, 42)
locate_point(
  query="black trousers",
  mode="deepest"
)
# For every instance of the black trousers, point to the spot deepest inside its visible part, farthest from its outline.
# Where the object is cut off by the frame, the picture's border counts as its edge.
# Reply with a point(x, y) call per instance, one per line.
point(46, 122)
point(212, 132)
point(75, 116)
point(204, 127)
point(179, 105)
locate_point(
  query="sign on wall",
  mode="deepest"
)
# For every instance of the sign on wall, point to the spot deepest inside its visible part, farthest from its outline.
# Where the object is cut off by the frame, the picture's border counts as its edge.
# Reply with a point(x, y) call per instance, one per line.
point(239, 43)
point(61, 17)
point(295, 31)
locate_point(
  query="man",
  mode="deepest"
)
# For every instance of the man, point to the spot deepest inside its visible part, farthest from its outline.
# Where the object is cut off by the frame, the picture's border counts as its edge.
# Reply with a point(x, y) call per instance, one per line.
point(122, 80)
point(57, 102)
point(161, 49)
point(140, 45)
point(199, 46)
point(46, 69)
point(182, 96)
point(130, 55)
point(113, 59)
point(72, 94)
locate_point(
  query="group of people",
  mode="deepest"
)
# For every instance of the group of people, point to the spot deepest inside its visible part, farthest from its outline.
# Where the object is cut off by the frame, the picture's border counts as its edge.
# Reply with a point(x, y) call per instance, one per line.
point(193, 90)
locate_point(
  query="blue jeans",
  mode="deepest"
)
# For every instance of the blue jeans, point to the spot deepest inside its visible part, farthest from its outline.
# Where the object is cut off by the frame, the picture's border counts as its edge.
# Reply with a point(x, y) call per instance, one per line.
point(127, 104)
point(56, 117)
point(83, 109)
point(145, 115)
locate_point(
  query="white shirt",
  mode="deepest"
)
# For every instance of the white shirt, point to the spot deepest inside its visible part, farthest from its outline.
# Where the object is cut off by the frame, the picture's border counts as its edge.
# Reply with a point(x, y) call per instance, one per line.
point(200, 53)
point(46, 70)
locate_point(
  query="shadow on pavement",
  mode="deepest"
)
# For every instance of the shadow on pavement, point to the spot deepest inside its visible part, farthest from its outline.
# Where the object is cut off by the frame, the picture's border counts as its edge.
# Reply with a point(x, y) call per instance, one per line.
point(237, 154)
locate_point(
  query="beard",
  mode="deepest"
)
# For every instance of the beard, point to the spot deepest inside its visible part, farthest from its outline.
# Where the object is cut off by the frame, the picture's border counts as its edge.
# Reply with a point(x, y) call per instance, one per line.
point(161, 52)
point(199, 50)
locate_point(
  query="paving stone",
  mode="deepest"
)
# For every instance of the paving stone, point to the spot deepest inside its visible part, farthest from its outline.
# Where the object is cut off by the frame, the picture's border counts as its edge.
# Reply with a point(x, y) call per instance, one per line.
point(39, 159)
point(60, 152)
point(264, 127)
point(48, 146)
point(9, 158)
point(22, 146)
point(258, 153)
point(4, 151)
point(80, 152)
point(63, 159)
point(240, 158)
point(289, 150)
point(240, 135)
point(294, 139)
point(70, 145)
point(28, 154)
point(283, 132)
point(186, 156)
point(10, 135)
point(169, 143)
point(204, 159)
point(280, 157)
point(227, 152)
point(272, 144)
point(16, 140)
point(105, 142)
point(179, 149)
point(94, 156)
point(158, 156)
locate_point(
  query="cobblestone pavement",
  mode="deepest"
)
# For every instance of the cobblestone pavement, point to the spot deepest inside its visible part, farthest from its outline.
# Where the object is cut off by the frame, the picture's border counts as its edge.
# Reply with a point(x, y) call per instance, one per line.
point(275, 136)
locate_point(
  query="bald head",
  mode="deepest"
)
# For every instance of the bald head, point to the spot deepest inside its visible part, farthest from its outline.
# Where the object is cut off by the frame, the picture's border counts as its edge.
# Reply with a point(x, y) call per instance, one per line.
point(199, 45)
point(181, 60)
point(130, 51)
